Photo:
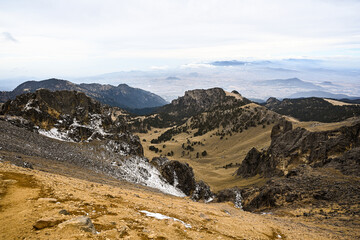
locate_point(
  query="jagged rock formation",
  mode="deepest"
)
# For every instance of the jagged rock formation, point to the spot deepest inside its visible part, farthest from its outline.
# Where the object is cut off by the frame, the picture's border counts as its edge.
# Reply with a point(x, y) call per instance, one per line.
point(312, 109)
point(292, 147)
point(313, 167)
point(230, 195)
point(119, 96)
point(304, 185)
point(71, 116)
point(194, 102)
point(181, 175)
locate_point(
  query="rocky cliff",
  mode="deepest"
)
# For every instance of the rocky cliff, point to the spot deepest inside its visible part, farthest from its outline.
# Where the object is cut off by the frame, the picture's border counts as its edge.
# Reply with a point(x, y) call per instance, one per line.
point(321, 168)
point(193, 103)
point(292, 147)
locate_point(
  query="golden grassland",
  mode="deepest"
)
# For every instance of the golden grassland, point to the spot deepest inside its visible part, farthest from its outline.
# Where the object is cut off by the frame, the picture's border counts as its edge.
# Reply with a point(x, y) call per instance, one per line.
point(221, 152)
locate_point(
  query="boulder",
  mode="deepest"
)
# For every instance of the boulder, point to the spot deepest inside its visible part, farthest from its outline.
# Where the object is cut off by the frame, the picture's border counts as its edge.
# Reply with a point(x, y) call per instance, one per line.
point(83, 223)
point(202, 192)
point(46, 223)
point(230, 195)
point(180, 175)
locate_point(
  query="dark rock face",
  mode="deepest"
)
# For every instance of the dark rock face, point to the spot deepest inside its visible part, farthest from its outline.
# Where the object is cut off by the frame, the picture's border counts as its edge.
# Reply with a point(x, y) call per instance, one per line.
point(305, 167)
point(71, 116)
point(251, 163)
point(305, 184)
point(202, 191)
point(181, 175)
point(119, 96)
point(299, 146)
point(230, 195)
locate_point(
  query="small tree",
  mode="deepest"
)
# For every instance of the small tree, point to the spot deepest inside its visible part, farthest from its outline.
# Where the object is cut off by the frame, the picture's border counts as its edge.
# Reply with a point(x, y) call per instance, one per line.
point(204, 153)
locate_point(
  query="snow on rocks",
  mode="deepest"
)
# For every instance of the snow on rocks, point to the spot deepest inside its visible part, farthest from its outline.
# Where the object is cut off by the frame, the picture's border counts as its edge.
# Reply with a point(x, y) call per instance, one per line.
point(137, 170)
point(162, 217)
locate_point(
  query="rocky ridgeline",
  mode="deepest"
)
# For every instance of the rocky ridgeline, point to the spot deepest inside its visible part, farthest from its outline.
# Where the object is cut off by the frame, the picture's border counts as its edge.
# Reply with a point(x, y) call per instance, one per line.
point(194, 102)
point(70, 116)
point(303, 166)
point(313, 109)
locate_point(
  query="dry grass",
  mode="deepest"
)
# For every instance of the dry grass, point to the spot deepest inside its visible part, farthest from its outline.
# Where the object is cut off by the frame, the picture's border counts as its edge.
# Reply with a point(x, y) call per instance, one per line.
point(115, 212)
point(221, 152)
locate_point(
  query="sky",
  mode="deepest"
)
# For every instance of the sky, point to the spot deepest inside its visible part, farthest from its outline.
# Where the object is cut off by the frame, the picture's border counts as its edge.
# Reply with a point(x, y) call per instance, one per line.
point(77, 38)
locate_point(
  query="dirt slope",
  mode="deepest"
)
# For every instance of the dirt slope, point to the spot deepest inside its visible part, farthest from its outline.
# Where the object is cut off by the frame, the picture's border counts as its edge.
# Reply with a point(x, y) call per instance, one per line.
point(29, 195)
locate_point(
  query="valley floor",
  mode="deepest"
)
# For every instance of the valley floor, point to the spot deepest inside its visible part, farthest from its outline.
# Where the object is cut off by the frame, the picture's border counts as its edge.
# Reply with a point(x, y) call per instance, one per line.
point(28, 195)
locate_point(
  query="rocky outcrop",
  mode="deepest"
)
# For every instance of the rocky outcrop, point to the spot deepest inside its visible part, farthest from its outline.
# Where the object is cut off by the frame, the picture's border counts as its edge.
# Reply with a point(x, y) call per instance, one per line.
point(71, 116)
point(193, 103)
point(178, 174)
point(230, 195)
point(118, 96)
point(251, 164)
point(200, 100)
point(317, 168)
point(202, 191)
point(181, 175)
point(305, 185)
point(292, 147)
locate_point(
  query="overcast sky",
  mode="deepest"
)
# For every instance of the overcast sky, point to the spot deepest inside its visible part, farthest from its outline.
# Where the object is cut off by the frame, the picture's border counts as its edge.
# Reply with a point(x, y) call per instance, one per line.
point(63, 38)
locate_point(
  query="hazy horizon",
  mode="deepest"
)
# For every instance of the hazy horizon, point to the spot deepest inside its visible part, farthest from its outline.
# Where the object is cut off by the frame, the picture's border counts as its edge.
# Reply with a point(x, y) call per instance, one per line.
point(316, 41)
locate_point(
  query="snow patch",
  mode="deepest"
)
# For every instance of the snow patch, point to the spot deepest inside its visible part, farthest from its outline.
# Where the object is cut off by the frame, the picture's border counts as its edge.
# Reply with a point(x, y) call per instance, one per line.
point(137, 170)
point(29, 107)
point(238, 200)
point(161, 217)
point(56, 134)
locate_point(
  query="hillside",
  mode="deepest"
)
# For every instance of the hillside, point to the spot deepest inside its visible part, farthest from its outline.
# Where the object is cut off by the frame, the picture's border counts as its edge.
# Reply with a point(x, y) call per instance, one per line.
point(113, 210)
point(69, 127)
point(120, 96)
point(313, 109)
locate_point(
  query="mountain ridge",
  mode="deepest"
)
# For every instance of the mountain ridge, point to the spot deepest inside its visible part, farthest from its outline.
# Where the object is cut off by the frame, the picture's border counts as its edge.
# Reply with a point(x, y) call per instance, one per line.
point(122, 95)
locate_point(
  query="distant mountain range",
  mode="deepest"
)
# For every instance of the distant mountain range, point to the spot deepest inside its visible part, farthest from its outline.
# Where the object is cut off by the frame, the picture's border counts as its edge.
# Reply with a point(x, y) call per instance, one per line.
point(288, 83)
point(319, 94)
point(122, 95)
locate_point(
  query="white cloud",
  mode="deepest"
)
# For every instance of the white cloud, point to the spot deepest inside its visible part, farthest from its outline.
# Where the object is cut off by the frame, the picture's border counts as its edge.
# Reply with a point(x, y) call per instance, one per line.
point(6, 36)
point(77, 37)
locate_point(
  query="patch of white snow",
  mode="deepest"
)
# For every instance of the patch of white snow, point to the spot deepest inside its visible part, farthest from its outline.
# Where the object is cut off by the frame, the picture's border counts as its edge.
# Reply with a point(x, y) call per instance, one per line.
point(161, 217)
